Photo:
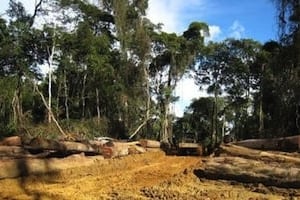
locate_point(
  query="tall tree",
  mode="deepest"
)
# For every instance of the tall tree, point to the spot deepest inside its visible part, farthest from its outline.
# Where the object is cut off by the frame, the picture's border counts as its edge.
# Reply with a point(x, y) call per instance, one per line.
point(226, 67)
point(288, 64)
point(23, 52)
point(174, 54)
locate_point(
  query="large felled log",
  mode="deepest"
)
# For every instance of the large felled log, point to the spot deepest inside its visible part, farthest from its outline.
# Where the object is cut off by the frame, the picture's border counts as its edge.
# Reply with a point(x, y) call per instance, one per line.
point(124, 148)
point(16, 152)
point(78, 147)
point(119, 149)
point(149, 143)
point(12, 168)
point(291, 143)
point(11, 141)
point(12, 151)
point(250, 171)
point(235, 150)
point(61, 146)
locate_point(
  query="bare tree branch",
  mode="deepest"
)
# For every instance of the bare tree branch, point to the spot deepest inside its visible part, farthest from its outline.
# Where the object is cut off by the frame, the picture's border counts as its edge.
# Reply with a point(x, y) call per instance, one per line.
point(36, 9)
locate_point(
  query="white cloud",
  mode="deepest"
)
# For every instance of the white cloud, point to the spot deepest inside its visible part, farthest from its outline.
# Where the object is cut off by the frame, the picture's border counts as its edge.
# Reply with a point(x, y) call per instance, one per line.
point(214, 33)
point(158, 13)
point(237, 30)
point(171, 13)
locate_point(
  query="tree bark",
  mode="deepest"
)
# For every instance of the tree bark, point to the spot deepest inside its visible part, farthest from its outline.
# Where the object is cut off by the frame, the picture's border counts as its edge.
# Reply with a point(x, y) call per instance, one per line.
point(83, 93)
point(282, 144)
point(50, 63)
point(66, 97)
point(138, 129)
point(149, 143)
point(236, 150)
point(98, 106)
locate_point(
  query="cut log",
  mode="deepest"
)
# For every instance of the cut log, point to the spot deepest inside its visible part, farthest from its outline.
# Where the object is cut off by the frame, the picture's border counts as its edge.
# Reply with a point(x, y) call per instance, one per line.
point(107, 151)
point(13, 168)
point(119, 149)
point(11, 141)
point(11, 151)
point(235, 150)
point(123, 148)
point(78, 147)
point(237, 169)
point(149, 143)
point(39, 144)
point(291, 143)
point(134, 149)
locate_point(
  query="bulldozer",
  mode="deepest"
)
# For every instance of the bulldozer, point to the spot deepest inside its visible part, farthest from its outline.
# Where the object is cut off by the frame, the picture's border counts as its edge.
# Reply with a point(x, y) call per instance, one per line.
point(188, 144)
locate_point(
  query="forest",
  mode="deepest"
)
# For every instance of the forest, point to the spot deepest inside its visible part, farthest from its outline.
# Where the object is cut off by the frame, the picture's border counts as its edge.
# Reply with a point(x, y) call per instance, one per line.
point(112, 72)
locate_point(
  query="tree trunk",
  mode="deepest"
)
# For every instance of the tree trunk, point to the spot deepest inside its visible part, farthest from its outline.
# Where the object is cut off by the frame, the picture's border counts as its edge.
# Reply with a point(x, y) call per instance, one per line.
point(150, 143)
point(50, 62)
point(50, 65)
point(214, 122)
point(237, 150)
point(148, 104)
point(165, 123)
point(98, 106)
point(83, 94)
point(223, 127)
point(59, 90)
point(66, 97)
point(138, 129)
point(167, 134)
point(17, 105)
point(261, 117)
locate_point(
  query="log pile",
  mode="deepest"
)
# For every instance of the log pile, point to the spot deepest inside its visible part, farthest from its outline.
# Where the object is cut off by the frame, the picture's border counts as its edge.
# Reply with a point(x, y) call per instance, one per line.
point(43, 156)
point(38, 147)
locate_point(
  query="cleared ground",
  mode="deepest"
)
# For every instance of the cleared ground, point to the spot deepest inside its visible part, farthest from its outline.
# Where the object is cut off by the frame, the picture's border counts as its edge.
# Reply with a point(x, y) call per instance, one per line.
point(151, 175)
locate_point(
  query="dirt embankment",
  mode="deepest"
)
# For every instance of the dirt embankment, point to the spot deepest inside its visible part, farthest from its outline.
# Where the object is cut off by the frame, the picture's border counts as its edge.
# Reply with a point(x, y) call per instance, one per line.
point(151, 175)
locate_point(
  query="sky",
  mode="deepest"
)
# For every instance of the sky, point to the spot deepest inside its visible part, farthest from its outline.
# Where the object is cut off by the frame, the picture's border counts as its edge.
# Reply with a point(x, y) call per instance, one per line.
point(253, 19)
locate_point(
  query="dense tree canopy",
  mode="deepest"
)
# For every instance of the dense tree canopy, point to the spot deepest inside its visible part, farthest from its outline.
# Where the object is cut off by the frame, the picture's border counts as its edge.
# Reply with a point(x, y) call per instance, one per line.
point(112, 72)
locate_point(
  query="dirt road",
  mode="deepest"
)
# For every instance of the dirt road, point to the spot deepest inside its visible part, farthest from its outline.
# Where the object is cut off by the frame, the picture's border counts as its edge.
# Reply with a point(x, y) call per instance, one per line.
point(152, 175)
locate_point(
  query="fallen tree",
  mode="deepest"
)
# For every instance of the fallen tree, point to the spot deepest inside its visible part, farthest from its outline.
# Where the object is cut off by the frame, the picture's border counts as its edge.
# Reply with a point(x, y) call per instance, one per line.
point(235, 150)
point(250, 171)
point(41, 144)
point(291, 143)
point(149, 143)
point(13, 168)
point(11, 141)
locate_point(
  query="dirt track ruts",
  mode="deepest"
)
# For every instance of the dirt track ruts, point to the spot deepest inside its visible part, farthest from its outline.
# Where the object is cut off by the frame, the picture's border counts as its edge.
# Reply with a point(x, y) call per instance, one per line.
point(152, 175)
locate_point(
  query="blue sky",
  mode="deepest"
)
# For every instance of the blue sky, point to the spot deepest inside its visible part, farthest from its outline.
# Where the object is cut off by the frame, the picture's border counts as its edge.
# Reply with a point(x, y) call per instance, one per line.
point(253, 19)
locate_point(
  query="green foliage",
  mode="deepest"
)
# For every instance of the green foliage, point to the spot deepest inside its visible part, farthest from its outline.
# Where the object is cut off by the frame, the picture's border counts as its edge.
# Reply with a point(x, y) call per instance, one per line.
point(198, 118)
point(113, 70)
